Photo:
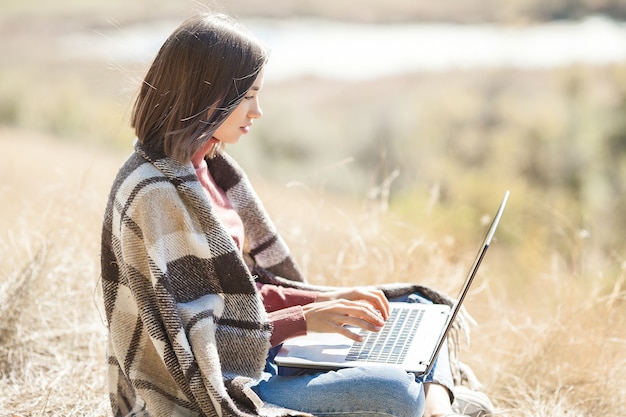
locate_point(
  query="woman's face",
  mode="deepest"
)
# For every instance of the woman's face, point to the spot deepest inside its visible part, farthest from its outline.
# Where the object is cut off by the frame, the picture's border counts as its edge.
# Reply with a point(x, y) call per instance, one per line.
point(238, 123)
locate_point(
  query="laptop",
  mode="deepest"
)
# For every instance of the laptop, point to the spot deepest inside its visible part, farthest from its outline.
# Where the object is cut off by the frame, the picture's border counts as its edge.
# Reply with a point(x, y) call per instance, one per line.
point(411, 338)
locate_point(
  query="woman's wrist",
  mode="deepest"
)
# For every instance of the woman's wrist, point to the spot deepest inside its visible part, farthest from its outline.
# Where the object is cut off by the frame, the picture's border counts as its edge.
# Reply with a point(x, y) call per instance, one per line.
point(324, 296)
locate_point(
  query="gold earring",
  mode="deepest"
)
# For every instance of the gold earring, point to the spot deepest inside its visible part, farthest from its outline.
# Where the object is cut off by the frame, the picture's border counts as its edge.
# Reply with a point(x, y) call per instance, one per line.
point(214, 149)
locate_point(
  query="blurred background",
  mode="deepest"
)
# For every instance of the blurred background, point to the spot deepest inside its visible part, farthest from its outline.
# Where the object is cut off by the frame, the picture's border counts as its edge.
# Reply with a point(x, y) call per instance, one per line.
point(410, 115)
point(409, 105)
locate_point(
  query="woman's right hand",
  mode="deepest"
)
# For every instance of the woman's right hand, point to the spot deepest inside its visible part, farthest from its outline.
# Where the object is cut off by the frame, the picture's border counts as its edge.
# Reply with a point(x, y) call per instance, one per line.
point(332, 317)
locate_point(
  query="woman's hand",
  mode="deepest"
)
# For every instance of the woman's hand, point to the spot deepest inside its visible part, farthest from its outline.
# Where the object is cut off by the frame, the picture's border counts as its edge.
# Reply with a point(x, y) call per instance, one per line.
point(360, 307)
point(376, 298)
point(331, 317)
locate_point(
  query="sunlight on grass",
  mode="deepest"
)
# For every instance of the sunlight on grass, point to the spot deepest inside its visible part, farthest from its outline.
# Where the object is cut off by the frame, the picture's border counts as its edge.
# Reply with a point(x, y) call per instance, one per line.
point(370, 182)
point(551, 344)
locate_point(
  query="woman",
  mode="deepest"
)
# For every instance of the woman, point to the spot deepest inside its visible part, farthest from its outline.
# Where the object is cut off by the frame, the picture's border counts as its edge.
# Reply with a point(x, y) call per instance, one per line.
point(198, 284)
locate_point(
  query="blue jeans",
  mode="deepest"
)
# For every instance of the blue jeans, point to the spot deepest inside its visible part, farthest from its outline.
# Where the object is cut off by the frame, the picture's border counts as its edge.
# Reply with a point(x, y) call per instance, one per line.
point(371, 391)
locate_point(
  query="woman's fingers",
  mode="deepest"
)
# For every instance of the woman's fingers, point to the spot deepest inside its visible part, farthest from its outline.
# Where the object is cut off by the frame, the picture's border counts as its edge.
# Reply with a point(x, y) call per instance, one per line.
point(373, 296)
point(379, 301)
point(360, 313)
point(332, 316)
point(350, 334)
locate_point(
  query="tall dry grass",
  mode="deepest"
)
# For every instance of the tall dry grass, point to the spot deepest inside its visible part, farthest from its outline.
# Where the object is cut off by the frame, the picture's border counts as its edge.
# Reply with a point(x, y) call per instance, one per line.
point(550, 298)
point(51, 331)
point(551, 345)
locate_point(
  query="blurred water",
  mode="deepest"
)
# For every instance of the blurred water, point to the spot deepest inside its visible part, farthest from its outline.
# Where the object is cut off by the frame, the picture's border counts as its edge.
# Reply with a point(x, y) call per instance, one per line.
point(359, 51)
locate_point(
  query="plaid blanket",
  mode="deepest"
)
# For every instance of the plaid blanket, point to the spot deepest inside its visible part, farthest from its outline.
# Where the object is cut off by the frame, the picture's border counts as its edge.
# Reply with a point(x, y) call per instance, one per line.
point(187, 329)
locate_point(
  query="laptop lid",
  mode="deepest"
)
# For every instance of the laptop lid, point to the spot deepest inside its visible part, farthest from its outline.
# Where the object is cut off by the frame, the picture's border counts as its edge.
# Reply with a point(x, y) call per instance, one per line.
point(329, 351)
point(470, 277)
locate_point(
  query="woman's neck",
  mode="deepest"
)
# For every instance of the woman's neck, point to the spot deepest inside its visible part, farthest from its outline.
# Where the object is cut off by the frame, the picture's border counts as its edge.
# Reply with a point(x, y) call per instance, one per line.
point(197, 158)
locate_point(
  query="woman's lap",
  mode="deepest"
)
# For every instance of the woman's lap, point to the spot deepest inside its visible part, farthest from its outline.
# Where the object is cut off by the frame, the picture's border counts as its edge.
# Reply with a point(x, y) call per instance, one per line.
point(382, 390)
point(386, 390)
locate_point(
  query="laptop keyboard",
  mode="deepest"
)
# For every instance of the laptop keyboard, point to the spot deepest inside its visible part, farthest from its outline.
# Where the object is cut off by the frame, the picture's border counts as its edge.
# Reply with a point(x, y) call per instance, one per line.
point(391, 344)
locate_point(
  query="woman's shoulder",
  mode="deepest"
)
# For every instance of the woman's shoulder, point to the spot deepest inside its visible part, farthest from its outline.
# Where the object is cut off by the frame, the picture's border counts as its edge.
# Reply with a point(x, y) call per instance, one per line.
point(138, 177)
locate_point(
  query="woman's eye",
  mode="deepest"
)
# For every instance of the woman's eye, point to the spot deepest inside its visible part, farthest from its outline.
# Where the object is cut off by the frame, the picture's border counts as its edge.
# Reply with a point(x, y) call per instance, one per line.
point(249, 97)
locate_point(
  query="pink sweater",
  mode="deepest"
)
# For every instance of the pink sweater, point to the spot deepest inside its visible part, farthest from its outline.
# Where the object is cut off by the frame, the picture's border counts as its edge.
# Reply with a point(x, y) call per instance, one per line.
point(284, 305)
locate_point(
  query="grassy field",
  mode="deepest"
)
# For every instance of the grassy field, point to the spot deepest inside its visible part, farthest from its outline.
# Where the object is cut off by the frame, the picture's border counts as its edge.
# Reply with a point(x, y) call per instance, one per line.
point(549, 344)
point(370, 182)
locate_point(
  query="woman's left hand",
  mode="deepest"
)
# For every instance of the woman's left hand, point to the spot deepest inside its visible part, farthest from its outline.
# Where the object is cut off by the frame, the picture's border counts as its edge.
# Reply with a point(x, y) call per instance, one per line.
point(372, 296)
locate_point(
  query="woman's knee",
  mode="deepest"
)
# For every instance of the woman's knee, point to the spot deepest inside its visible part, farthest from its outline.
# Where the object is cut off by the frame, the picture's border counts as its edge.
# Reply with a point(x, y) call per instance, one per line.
point(388, 389)
point(352, 391)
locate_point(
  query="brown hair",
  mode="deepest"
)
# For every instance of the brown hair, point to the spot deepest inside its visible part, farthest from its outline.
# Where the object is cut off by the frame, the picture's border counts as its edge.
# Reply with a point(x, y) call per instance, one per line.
point(200, 74)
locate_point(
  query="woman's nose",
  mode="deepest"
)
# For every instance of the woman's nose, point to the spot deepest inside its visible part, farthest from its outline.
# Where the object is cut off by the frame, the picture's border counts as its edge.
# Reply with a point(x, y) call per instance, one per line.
point(256, 112)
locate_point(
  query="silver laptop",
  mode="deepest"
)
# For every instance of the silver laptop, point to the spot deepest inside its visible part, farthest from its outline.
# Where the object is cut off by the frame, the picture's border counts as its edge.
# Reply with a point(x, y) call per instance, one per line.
point(411, 338)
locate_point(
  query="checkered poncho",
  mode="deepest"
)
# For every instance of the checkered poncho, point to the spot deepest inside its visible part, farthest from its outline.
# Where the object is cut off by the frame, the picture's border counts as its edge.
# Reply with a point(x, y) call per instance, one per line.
point(187, 328)
point(184, 318)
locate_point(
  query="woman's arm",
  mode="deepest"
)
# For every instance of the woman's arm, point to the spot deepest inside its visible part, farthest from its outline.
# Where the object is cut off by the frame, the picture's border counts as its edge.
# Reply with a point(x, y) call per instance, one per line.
point(276, 297)
point(287, 323)
point(293, 312)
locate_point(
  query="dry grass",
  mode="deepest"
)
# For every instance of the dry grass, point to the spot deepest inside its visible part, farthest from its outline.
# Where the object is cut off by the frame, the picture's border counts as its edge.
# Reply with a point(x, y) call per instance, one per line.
point(553, 345)
point(550, 301)
point(52, 336)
